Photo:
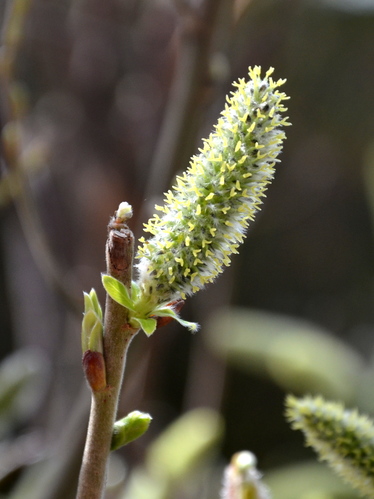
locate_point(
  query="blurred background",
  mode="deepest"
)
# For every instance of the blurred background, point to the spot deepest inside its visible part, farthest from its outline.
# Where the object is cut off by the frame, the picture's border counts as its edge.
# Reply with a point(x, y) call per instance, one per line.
point(105, 101)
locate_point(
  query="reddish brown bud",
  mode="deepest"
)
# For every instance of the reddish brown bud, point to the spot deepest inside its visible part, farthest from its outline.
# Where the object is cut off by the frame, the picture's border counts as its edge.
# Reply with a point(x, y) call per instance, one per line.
point(94, 370)
point(176, 306)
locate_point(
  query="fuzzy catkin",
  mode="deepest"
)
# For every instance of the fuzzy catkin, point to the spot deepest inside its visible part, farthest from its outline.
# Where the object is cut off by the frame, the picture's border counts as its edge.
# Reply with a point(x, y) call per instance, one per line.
point(242, 480)
point(208, 211)
point(343, 438)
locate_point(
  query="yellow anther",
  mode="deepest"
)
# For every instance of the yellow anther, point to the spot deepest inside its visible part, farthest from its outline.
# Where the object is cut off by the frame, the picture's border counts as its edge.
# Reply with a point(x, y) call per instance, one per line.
point(216, 159)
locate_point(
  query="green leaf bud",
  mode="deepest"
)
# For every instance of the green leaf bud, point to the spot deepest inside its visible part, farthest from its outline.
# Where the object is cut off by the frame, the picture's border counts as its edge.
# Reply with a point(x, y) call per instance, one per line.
point(95, 304)
point(133, 426)
point(95, 341)
point(92, 323)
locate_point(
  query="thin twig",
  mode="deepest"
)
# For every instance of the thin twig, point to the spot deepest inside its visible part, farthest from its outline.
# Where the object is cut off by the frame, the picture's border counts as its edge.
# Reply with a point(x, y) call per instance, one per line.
point(117, 337)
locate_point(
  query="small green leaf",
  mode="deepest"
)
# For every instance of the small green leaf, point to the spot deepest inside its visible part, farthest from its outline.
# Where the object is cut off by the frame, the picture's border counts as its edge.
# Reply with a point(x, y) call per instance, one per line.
point(89, 320)
point(128, 429)
point(135, 291)
point(148, 325)
point(96, 303)
point(88, 305)
point(88, 323)
point(164, 312)
point(95, 341)
point(117, 291)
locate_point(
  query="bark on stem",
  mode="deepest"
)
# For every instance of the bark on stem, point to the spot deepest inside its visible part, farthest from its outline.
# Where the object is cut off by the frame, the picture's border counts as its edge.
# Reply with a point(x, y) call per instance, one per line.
point(117, 337)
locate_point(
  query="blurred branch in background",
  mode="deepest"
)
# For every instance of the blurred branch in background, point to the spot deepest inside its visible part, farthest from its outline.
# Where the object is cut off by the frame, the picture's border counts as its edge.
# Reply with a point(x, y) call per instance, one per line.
point(14, 108)
point(203, 30)
point(22, 158)
point(18, 103)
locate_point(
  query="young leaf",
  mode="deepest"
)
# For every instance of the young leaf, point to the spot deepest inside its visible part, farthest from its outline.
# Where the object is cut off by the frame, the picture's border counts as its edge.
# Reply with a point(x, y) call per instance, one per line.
point(117, 291)
point(95, 341)
point(88, 305)
point(135, 291)
point(164, 312)
point(148, 325)
point(88, 323)
point(96, 304)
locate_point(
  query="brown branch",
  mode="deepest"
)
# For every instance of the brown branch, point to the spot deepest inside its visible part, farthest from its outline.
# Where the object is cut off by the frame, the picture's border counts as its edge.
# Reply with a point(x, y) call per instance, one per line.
point(117, 337)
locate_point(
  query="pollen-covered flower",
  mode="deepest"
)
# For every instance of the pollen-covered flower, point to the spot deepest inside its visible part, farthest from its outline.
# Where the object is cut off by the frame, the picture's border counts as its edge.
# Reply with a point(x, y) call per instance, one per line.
point(242, 480)
point(343, 438)
point(207, 213)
